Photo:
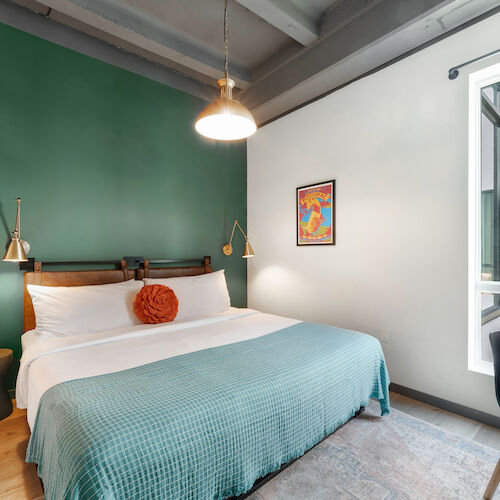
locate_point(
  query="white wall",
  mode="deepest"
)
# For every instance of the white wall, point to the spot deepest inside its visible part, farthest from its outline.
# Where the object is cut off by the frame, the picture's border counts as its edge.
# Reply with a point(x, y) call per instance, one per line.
point(396, 144)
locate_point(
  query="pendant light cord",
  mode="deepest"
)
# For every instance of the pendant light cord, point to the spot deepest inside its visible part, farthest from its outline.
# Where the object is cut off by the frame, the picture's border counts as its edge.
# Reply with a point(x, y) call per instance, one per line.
point(226, 50)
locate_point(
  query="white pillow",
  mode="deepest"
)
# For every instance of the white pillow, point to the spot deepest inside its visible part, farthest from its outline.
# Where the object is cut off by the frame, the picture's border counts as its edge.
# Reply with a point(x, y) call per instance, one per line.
point(75, 310)
point(197, 295)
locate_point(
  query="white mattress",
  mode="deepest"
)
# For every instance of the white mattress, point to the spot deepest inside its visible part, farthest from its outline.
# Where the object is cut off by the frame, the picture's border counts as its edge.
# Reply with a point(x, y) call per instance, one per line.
point(46, 363)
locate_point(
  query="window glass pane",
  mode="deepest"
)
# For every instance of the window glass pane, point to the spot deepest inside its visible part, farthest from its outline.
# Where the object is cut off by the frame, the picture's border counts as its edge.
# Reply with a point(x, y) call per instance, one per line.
point(490, 186)
point(489, 92)
point(490, 322)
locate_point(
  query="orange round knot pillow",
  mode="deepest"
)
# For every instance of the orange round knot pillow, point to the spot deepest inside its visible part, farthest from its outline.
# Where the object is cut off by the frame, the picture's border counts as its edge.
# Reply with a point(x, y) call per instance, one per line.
point(156, 304)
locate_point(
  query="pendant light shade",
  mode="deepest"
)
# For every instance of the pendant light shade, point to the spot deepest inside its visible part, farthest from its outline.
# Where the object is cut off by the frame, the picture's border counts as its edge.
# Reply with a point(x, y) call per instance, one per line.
point(225, 119)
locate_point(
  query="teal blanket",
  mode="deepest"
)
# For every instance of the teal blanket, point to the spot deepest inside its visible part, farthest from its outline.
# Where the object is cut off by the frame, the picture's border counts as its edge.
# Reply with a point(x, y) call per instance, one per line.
point(207, 424)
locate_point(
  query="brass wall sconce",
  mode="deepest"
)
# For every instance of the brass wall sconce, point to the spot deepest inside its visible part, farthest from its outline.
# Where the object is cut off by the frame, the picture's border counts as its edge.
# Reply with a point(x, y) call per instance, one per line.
point(228, 248)
point(18, 248)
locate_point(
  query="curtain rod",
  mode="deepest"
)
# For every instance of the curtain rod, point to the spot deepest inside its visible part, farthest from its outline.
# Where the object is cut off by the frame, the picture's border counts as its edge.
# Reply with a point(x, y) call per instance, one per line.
point(453, 72)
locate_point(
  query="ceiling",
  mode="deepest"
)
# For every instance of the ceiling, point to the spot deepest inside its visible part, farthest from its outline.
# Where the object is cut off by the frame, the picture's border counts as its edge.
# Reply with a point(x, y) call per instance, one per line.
point(282, 52)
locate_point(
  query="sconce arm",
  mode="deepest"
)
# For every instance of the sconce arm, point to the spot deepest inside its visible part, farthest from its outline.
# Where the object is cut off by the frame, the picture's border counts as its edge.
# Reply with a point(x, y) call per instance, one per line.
point(17, 230)
point(236, 223)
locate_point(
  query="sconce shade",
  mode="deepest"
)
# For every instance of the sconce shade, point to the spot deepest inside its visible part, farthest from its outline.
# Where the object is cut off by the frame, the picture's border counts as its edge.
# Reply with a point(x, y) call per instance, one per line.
point(248, 250)
point(18, 248)
point(15, 252)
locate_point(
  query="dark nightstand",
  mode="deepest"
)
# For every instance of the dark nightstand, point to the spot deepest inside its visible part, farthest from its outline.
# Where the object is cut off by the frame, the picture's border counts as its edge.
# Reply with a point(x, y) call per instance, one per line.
point(5, 401)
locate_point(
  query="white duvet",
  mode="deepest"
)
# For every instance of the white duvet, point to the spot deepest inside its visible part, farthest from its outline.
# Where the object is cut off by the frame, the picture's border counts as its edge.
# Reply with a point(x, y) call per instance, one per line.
point(49, 362)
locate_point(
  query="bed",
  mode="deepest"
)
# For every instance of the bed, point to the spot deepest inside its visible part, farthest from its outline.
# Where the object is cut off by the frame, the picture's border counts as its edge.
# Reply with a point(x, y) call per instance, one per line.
point(197, 408)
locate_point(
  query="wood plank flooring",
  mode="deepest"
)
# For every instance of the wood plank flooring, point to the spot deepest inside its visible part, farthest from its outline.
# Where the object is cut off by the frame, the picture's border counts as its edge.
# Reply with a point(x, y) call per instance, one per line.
point(465, 427)
point(19, 480)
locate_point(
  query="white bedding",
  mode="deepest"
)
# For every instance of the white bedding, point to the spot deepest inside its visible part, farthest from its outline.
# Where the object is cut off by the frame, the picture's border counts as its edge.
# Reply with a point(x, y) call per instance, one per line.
point(27, 339)
point(46, 363)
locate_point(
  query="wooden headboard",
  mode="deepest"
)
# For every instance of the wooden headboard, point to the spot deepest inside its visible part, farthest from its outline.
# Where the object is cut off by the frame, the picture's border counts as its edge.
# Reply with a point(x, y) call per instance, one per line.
point(102, 277)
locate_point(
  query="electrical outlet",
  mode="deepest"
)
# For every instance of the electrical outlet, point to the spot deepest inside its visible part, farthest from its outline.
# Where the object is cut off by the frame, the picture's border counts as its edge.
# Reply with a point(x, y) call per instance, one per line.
point(384, 335)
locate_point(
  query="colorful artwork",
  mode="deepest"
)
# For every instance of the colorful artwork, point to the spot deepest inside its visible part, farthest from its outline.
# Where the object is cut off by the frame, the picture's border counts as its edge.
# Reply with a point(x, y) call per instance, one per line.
point(316, 214)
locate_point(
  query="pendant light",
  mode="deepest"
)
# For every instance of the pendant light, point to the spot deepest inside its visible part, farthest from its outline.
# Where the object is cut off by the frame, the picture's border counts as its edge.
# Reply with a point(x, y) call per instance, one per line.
point(225, 119)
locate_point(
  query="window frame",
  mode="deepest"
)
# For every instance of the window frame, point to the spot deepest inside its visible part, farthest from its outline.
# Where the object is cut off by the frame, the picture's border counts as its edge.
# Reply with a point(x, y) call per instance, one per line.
point(476, 286)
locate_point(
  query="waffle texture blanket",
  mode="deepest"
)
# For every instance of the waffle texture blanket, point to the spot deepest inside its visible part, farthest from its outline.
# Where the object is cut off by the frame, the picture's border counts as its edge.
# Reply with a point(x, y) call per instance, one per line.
point(207, 424)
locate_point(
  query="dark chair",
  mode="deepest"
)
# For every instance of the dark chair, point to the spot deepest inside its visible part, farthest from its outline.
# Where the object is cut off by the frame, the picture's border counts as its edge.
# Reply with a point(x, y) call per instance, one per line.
point(495, 348)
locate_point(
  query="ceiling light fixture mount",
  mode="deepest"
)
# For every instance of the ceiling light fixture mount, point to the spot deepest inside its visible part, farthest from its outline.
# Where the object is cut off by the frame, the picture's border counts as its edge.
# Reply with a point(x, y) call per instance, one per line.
point(225, 119)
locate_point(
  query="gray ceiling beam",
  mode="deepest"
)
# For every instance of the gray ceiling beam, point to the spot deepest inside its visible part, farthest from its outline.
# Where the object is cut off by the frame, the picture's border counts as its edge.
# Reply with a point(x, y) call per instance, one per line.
point(276, 60)
point(343, 12)
point(376, 22)
point(43, 27)
point(410, 39)
point(122, 44)
point(286, 17)
point(115, 17)
point(34, 6)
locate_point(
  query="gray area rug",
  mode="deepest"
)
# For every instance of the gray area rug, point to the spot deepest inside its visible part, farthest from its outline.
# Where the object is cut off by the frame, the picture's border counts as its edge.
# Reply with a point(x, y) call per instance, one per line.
point(389, 458)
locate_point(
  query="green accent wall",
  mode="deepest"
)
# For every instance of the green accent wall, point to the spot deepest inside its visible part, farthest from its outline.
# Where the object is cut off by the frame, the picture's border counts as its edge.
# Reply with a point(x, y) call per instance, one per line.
point(107, 164)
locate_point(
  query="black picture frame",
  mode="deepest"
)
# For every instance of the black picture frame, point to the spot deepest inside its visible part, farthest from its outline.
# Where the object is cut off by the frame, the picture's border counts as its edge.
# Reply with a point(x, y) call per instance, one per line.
point(297, 214)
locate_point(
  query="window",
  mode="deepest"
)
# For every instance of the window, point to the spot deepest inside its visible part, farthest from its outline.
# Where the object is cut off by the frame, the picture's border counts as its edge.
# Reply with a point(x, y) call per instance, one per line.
point(484, 215)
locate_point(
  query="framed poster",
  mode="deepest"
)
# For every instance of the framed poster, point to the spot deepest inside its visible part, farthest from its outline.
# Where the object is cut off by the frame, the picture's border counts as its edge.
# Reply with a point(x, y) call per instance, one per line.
point(316, 214)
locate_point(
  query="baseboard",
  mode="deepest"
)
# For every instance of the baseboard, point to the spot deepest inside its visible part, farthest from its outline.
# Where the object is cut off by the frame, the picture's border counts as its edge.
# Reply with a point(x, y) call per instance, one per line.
point(465, 411)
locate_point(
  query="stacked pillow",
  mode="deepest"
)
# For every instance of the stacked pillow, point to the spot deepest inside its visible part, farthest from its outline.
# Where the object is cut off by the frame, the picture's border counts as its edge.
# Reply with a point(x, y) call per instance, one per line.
point(65, 311)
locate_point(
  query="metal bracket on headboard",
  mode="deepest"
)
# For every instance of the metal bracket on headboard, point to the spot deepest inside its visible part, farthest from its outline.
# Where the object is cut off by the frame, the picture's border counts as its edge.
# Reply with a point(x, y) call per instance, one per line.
point(180, 261)
point(29, 265)
point(205, 263)
point(135, 261)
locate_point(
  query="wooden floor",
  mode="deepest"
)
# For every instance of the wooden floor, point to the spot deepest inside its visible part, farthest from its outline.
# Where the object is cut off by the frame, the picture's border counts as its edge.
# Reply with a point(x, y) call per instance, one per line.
point(19, 480)
point(465, 427)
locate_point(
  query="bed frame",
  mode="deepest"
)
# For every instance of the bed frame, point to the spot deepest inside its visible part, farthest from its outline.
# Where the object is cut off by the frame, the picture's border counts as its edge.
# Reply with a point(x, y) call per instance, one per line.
point(145, 268)
point(121, 272)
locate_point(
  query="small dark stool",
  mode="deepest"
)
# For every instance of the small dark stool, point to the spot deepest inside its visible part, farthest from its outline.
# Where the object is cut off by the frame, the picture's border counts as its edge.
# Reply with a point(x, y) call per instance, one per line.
point(5, 401)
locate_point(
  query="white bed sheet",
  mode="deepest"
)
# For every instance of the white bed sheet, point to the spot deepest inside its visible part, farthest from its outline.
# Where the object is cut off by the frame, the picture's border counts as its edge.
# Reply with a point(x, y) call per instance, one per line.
point(27, 339)
point(53, 361)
